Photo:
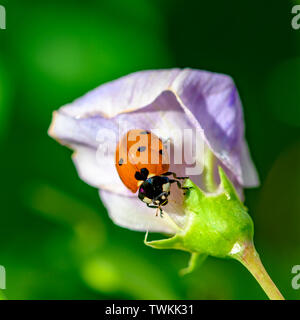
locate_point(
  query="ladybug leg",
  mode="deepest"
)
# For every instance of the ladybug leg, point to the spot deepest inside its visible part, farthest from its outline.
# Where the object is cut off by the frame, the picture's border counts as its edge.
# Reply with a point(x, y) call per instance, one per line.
point(185, 189)
point(151, 206)
point(157, 208)
point(179, 185)
point(174, 175)
point(161, 212)
point(177, 182)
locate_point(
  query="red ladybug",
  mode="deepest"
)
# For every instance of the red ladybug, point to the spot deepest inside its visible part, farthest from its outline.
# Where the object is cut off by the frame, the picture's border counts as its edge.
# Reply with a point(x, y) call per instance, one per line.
point(142, 163)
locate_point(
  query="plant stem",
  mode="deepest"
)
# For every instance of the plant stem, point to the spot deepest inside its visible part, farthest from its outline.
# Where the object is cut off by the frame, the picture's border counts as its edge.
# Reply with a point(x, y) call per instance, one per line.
point(2, 296)
point(250, 259)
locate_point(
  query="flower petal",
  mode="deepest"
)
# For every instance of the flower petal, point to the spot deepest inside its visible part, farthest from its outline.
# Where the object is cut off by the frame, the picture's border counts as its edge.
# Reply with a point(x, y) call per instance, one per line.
point(133, 214)
point(97, 175)
point(88, 135)
point(209, 100)
point(82, 135)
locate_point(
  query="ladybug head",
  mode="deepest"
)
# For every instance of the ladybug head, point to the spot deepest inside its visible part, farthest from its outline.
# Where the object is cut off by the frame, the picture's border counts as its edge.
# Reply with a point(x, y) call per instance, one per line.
point(155, 191)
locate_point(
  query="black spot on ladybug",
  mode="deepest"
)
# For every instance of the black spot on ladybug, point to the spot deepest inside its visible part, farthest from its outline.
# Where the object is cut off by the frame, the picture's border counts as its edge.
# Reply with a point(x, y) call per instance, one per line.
point(121, 161)
point(145, 132)
point(161, 152)
point(145, 172)
point(141, 175)
point(141, 149)
point(138, 176)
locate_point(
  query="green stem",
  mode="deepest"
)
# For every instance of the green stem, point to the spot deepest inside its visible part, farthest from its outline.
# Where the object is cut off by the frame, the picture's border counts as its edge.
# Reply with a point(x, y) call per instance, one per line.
point(250, 259)
point(2, 296)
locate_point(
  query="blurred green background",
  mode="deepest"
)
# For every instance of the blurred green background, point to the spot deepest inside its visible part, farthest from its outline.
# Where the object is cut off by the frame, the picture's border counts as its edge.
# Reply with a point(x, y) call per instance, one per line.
point(56, 240)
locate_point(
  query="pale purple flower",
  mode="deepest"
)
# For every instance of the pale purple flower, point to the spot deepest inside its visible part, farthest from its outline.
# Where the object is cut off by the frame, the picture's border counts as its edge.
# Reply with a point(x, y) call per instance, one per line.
point(165, 99)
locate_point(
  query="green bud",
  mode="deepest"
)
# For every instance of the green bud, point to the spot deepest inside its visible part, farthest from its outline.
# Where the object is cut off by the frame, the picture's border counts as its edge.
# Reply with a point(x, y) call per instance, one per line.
point(217, 224)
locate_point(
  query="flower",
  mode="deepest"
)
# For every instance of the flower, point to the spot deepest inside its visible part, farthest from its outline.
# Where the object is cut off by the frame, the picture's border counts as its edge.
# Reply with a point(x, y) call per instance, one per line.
point(206, 102)
point(210, 219)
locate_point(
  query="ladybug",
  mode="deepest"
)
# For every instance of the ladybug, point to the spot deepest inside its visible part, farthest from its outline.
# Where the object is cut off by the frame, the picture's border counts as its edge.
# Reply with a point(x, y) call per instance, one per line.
point(142, 163)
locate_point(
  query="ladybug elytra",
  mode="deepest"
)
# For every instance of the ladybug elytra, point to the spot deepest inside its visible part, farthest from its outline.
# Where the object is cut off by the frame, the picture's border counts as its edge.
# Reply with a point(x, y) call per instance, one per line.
point(142, 163)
